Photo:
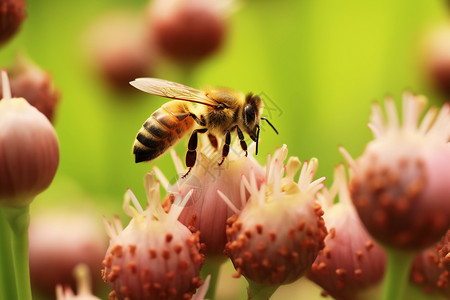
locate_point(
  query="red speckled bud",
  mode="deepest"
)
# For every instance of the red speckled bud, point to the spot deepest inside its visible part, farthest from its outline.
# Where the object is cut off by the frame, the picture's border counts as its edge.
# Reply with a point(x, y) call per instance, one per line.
point(188, 30)
point(155, 256)
point(400, 184)
point(206, 211)
point(351, 262)
point(431, 268)
point(276, 237)
point(12, 13)
point(29, 152)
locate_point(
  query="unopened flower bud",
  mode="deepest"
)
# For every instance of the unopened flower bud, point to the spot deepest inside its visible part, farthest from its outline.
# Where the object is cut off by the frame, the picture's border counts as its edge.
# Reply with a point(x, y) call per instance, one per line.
point(12, 13)
point(155, 256)
point(188, 30)
point(431, 268)
point(206, 211)
point(28, 81)
point(82, 275)
point(118, 49)
point(351, 262)
point(59, 240)
point(276, 237)
point(400, 184)
point(436, 57)
point(29, 152)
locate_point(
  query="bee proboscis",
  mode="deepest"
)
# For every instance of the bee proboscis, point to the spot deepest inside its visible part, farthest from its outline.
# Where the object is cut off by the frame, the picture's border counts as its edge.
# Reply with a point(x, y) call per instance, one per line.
point(219, 112)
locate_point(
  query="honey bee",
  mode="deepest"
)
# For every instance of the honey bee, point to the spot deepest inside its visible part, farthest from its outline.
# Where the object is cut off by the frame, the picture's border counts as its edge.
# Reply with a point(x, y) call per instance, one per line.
point(219, 112)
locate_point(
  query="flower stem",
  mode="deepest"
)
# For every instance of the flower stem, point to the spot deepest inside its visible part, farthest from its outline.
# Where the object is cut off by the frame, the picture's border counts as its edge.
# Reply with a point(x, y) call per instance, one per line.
point(211, 267)
point(18, 219)
point(258, 291)
point(396, 277)
point(8, 287)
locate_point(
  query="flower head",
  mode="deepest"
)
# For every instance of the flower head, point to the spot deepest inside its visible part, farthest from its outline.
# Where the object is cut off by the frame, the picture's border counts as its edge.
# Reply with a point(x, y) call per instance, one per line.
point(400, 184)
point(155, 256)
point(276, 237)
point(29, 152)
point(205, 211)
point(351, 261)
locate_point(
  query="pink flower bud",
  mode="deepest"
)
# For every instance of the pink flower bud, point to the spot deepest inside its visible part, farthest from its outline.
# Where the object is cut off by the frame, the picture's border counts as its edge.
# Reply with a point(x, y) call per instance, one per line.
point(35, 85)
point(276, 237)
point(431, 268)
point(351, 261)
point(119, 50)
point(206, 211)
point(155, 256)
point(188, 30)
point(29, 152)
point(59, 240)
point(12, 13)
point(436, 57)
point(400, 184)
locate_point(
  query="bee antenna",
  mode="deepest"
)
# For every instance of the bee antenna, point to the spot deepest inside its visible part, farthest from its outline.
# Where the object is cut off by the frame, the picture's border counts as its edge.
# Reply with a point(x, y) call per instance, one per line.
point(276, 131)
point(257, 139)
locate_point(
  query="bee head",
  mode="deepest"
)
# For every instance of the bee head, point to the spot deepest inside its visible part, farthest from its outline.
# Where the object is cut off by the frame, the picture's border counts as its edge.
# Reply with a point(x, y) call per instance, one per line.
point(251, 115)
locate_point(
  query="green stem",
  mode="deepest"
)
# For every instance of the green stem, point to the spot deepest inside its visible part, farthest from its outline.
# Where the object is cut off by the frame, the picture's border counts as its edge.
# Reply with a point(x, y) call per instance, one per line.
point(211, 267)
point(258, 291)
point(397, 274)
point(8, 287)
point(19, 219)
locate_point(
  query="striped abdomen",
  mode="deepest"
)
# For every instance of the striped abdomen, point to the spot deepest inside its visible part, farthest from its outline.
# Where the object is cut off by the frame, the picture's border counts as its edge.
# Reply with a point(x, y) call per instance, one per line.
point(163, 129)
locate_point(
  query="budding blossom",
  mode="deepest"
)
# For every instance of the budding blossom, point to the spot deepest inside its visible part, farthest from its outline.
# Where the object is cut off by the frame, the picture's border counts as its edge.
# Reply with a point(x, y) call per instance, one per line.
point(205, 211)
point(29, 151)
point(277, 235)
point(12, 14)
point(400, 184)
point(351, 262)
point(155, 256)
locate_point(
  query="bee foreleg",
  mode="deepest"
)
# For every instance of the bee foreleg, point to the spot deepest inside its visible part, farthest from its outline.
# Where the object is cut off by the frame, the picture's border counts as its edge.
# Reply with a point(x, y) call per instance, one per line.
point(200, 121)
point(241, 139)
point(226, 147)
point(191, 154)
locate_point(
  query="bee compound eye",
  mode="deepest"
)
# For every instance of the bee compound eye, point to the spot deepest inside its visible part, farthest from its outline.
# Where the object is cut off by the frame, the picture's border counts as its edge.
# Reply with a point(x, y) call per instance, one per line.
point(249, 114)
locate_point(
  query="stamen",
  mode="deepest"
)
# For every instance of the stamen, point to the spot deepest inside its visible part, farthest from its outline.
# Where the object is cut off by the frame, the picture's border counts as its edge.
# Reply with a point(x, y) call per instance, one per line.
point(177, 162)
point(163, 179)
point(348, 158)
point(427, 120)
point(228, 202)
point(6, 86)
point(377, 119)
point(129, 210)
point(109, 228)
point(391, 112)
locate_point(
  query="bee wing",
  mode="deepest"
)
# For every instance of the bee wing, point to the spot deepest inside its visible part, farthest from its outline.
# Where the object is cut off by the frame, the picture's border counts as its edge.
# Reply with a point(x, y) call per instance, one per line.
point(172, 90)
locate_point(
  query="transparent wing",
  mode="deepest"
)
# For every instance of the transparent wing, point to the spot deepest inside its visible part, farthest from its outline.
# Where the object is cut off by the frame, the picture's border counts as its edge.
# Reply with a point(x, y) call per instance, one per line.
point(172, 90)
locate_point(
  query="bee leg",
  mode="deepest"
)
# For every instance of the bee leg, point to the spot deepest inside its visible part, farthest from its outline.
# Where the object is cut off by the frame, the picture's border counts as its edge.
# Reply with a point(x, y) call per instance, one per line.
point(191, 154)
point(200, 121)
point(226, 147)
point(241, 139)
point(213, 141)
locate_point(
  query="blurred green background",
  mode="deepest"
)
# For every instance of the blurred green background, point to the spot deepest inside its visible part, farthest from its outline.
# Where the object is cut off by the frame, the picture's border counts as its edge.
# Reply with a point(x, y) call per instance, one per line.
point(320, 64)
